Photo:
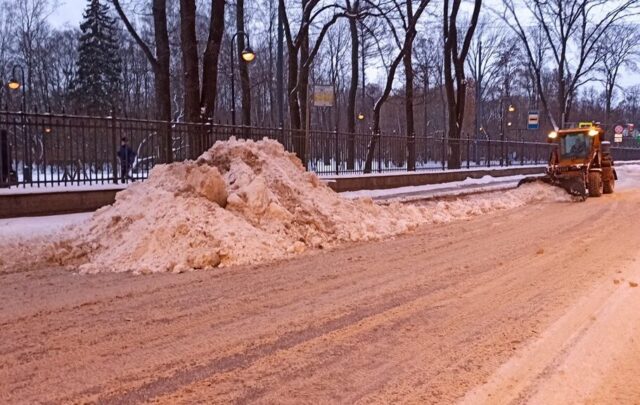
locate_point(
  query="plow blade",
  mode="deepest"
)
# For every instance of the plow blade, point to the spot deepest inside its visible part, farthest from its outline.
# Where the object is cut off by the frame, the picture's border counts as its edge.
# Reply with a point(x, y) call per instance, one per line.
point(536, 179)
point(574, 186)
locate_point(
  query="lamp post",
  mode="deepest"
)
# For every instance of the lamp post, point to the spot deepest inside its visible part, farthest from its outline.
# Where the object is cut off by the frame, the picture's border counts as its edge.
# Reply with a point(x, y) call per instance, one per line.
point(14, 84)
point(247, 56)
point(510, 109)
point(361, 116)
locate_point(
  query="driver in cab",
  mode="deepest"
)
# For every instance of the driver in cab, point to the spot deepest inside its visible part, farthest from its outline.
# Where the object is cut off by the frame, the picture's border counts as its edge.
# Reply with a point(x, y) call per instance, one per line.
point(579, 147)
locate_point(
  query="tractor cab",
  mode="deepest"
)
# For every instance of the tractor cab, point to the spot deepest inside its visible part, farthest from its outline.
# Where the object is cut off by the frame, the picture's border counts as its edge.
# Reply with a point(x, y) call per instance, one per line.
point(576, 146)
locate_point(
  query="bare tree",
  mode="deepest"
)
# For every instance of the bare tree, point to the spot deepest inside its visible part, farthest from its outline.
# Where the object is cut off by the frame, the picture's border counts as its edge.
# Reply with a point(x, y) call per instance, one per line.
point(210, 58)
point(189, 49)
point(31, 30)
point(619, 49)
point(160, 63)
point(245, 85)
point(572, 30)
point(301, 54)
point(404, 46)
point(353, 8)
point(454, 73)
point(408, 95)
point(484, 64)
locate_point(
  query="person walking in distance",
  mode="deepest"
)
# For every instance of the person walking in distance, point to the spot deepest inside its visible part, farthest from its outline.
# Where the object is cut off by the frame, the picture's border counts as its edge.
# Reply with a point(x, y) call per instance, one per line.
point(127, 157)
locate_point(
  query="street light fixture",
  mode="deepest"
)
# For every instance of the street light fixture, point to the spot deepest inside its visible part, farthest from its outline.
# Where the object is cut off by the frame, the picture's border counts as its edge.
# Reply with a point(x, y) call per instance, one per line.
point(361, 116)
point(15, 84)
point(247, 56)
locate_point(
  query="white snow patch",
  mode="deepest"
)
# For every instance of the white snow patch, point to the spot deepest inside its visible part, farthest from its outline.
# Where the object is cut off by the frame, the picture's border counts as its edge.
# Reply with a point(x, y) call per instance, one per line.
point(12, 229)
point(450, 186)
point(628, 177)
point(245, 202)
point(69, 188)
point(434, 170)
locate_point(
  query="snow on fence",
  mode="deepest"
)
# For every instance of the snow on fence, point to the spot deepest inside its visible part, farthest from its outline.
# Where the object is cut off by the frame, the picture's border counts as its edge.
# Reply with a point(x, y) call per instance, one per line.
point(55, 149)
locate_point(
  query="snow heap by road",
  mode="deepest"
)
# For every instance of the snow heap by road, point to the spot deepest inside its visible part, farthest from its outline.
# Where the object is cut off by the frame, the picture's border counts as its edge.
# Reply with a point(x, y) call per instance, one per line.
point(245, 202)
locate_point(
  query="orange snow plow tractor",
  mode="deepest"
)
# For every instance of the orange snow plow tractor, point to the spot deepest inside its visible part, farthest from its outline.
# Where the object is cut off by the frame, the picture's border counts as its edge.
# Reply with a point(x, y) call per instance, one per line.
point(581, 162)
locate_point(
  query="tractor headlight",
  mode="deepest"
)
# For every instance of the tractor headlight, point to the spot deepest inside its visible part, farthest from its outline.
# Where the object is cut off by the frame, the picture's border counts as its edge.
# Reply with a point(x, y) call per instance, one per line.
point(553, 135)
point(593, 132)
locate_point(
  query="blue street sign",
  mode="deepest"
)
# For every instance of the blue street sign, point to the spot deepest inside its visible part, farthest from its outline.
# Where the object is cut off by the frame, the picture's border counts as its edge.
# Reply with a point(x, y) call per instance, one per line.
point(534, 120)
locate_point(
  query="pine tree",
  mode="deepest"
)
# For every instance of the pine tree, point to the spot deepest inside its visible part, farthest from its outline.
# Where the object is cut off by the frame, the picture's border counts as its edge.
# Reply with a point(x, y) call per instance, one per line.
point(98, 80)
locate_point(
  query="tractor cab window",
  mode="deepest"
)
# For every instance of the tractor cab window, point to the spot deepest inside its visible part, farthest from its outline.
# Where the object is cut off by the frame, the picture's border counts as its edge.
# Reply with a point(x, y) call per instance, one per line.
point(575, 146)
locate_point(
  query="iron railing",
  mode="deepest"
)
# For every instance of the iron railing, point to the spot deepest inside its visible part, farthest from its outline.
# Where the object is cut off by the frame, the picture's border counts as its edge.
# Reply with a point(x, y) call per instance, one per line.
point(43, 150)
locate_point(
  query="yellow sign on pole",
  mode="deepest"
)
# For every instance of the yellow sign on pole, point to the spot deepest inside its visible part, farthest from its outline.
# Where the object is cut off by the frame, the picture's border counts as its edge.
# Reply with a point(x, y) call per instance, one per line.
point(323, 96)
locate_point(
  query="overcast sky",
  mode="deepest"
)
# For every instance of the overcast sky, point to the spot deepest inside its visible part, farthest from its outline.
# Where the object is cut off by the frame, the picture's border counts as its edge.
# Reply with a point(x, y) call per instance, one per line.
point(69, 12)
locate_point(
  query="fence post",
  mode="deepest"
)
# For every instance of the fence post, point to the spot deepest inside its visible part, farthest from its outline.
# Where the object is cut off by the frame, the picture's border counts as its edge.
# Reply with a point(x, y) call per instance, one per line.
point(522, 152)
point(4, 159)
point(488, 151)
point(468, 151)
point(114, 141)
point(411, 144)
point(204, 146)
point(507, 153)
point(444, 152)
point(337, 149)
point(378, 135)
point(168, 143)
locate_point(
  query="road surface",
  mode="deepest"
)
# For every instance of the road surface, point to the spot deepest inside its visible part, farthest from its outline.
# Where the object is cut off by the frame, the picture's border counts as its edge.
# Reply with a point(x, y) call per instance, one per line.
point(536, 304)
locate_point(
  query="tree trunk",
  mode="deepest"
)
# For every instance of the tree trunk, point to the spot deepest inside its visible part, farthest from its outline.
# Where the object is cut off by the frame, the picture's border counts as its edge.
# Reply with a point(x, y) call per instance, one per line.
point(408, 72)
point(303, 96)
point(609, 98)
point(353, 92)
point(561, 98)
point(294, 107)
point(163, 76)
point(190, 77)
point(210, 59)
point(454, 73)
point(245, 85)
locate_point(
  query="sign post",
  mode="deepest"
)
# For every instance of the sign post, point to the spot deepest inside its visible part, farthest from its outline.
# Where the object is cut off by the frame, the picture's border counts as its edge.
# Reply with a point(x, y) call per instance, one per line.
point(619, 129)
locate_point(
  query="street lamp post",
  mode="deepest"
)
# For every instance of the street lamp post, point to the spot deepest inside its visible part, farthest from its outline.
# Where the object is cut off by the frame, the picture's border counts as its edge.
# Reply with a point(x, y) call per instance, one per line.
point(510, 109)
point(247, 56)
point(361, 115)
point(15, 84)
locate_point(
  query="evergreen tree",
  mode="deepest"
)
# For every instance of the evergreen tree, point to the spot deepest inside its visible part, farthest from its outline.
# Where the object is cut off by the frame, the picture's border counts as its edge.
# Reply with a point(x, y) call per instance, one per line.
point(98, 79)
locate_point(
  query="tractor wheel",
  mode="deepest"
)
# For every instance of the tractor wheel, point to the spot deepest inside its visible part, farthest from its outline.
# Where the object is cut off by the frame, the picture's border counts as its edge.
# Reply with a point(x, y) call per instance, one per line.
point(609, 186)
point(595, 184)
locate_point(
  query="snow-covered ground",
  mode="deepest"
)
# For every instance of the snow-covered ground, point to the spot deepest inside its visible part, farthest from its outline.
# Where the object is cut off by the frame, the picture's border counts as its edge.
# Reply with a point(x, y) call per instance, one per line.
point(35, 189)
point(28, 227)
point(629, 177)
point(469, 185)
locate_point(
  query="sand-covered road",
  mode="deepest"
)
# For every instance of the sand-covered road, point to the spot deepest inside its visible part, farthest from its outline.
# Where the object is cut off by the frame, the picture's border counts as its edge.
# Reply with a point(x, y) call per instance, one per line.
point(535, 304)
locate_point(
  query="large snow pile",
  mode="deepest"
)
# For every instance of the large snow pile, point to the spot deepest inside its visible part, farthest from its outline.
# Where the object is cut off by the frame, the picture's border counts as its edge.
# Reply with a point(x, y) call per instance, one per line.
point(246, 202)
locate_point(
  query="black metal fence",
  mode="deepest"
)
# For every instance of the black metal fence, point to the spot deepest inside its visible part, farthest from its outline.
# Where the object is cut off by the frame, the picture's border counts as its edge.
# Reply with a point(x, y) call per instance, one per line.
point(59, 150)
